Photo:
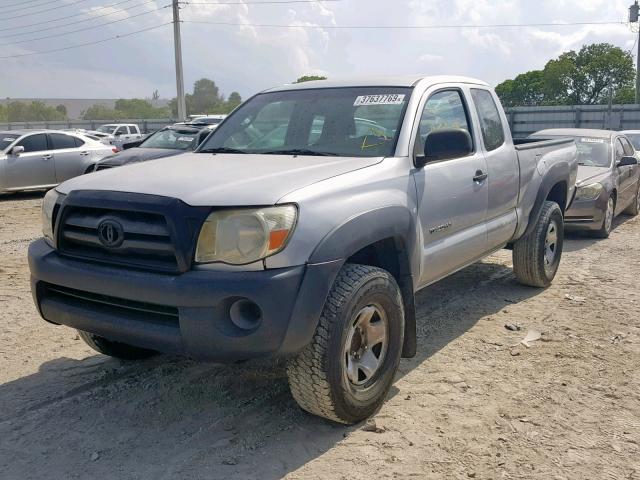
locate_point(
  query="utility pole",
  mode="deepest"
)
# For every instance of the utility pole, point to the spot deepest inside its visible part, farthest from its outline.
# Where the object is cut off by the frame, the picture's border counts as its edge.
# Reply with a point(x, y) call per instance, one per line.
point(182, 108)
point(634, 13)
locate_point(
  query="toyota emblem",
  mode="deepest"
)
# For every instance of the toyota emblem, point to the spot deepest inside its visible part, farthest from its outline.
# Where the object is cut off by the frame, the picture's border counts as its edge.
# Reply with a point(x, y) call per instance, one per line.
point(110, 233)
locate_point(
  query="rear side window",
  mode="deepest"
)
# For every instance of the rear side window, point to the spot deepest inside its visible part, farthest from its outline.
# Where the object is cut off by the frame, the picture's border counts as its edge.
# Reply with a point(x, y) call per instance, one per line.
point(490, 123)
point(78, 141)
point(445, 109)
point(34, 143)
point(60, 141)
point(619, 149)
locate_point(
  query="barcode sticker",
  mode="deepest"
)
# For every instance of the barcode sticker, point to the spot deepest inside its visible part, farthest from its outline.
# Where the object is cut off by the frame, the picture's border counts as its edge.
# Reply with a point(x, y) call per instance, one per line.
point(385, 99)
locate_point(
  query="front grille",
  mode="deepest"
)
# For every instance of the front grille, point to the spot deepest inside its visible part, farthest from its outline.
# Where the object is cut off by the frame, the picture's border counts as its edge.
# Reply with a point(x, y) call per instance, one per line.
point(140, 311)
point(147, 240)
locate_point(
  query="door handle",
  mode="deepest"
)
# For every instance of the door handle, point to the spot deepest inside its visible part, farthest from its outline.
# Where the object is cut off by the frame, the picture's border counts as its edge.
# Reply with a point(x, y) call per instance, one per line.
point(47, 156)
point(84, 153)
point(480, 176)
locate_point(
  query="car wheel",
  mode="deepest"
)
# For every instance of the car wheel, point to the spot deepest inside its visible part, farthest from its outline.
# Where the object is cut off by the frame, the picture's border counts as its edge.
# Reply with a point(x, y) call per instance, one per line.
point(344, 374)
point(634, 208)
point(536, 256)
point(115, 349)
point(607, 221)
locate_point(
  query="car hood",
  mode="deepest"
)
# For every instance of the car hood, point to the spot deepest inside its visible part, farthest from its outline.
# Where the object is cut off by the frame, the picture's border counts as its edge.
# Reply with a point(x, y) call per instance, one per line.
point(203, 179)
point(132, 155)
point(591, 174)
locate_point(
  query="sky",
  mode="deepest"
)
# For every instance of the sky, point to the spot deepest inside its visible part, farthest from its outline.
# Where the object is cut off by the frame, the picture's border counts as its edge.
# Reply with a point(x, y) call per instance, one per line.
point(245, 57)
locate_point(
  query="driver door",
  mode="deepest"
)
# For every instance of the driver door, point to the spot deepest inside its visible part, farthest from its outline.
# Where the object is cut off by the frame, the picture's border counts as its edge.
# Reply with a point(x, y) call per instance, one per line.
point(452, 195)
point(32, 168)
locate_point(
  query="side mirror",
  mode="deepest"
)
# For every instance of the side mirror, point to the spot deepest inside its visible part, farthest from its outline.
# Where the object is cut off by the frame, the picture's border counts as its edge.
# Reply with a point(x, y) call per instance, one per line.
point(17, 150)
point(445, 144)
point(627, 161)
point(117, 134)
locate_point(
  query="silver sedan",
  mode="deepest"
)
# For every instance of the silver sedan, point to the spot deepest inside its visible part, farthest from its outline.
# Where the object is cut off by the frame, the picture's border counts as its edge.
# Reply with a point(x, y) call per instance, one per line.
point(39, 159)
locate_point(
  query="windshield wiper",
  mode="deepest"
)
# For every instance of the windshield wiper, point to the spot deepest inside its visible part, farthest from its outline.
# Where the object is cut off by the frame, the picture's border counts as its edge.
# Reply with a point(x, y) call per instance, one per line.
point(300, 151)
point(221, 150)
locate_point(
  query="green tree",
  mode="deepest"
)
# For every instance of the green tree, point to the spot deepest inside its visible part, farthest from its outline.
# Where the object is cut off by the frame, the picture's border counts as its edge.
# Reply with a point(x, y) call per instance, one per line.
point(138, 108)
point(586, 77)
point(309, 78)
point(3, 113)
point(101, 112)
point(62, 109)
point(206, 99)
point(233, 101)
point(526, 89)
point(32, 112)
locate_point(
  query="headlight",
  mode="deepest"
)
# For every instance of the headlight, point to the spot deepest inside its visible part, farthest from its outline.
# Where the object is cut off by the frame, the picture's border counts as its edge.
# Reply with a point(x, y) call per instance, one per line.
point(48, 206)
point(589, 192)
point(244, 236)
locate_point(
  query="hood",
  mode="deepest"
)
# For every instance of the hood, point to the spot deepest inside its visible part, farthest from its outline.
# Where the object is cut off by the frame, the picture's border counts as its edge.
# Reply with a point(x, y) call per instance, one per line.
point(132, 155)
point(203, 179)
point(591, 174)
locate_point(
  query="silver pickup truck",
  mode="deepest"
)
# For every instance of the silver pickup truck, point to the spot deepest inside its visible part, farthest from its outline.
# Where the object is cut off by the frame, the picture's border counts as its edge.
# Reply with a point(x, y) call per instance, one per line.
point(302, 227)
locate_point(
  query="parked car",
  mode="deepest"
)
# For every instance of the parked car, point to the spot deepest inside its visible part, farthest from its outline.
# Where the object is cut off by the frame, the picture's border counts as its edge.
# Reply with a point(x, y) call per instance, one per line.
point(167, 142)
point(40, 159)
point(608, 179)
point(85, 133)
point(119, 133)
point(312, 248)
point(213, 120)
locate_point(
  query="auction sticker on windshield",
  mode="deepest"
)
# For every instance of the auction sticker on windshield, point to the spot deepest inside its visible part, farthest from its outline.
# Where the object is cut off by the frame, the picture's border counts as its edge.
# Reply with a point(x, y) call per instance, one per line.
point(386, 99)
point(593, 140)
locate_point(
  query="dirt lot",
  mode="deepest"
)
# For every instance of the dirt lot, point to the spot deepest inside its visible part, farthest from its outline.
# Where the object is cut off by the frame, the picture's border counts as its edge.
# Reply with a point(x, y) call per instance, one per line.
point(474, 403)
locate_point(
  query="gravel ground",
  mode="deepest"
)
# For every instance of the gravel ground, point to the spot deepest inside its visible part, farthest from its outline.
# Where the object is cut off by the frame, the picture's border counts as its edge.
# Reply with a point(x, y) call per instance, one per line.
point(474, 403)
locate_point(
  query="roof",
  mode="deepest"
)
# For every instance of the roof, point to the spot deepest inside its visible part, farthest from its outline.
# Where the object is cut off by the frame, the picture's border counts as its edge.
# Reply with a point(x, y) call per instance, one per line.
point(24, 131)
point(577, 132)
point(371, 81)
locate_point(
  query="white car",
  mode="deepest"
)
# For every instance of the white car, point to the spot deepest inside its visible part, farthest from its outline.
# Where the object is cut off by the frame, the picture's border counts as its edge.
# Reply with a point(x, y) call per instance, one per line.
point(118, 133)
point(40, 159)
point(634, 138)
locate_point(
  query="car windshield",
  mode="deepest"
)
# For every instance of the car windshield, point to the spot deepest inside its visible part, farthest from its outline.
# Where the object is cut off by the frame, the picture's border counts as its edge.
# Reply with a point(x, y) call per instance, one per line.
point(107, 129)
point(592, 151)
point(173, 139)
point(634, 138)
point(349, 122)
point(6, 139)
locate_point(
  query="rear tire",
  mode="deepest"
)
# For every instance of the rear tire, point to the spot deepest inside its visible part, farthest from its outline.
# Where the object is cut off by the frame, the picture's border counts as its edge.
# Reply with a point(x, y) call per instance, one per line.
point(634, 208)
point(607, 221)
point(115, 349)
point(536, 256)
point(346, 371)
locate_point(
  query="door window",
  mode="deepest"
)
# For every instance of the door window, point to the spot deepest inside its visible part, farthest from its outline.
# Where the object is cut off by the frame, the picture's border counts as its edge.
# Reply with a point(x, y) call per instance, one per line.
point(78, 141)
point(628, 148)
point(34, 143)
point(619, 150)
point(490, 123)
point(121, 131)
point(445, 109)
point(60, 141)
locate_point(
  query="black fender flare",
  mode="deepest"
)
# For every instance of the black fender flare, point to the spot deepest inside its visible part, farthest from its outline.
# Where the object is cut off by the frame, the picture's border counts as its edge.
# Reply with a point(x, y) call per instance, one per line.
point(357, 232)
point(558, 173)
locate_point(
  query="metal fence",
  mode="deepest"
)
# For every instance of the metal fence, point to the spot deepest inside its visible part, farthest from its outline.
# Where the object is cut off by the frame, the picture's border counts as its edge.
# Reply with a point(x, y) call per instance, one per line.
point(526, 120)
point(146, 126)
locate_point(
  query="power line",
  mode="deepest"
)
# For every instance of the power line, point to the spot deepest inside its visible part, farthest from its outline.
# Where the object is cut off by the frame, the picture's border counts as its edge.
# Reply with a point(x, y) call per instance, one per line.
point(28, 1)
point(43, 11)
point(87, 43)
point(402, 27)
point(84, 28)
point(83, 20)
point(266, 2)
point(24, 7)
point(81, 14)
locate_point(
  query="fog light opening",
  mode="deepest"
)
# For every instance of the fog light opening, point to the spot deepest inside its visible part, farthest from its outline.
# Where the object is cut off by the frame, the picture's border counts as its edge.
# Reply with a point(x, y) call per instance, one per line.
point(245, 314)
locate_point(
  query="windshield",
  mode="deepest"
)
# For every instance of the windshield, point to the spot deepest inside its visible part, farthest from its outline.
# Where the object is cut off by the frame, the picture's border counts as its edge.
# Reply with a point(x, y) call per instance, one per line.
point(7, 139)
point(350, 122)
point(592, 152)
point(107, 128)
point(634, 138)
point(173, 139)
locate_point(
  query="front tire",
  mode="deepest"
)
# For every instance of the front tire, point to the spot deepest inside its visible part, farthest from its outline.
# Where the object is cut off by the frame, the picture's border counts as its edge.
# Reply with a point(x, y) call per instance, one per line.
point(607, 221)
point(536, 256)
point(346, 371)
point(119, 350)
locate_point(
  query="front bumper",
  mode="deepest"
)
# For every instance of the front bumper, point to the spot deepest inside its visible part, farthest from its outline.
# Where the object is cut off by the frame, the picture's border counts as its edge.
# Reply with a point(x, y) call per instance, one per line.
point(186, 313)
point(586, 214)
